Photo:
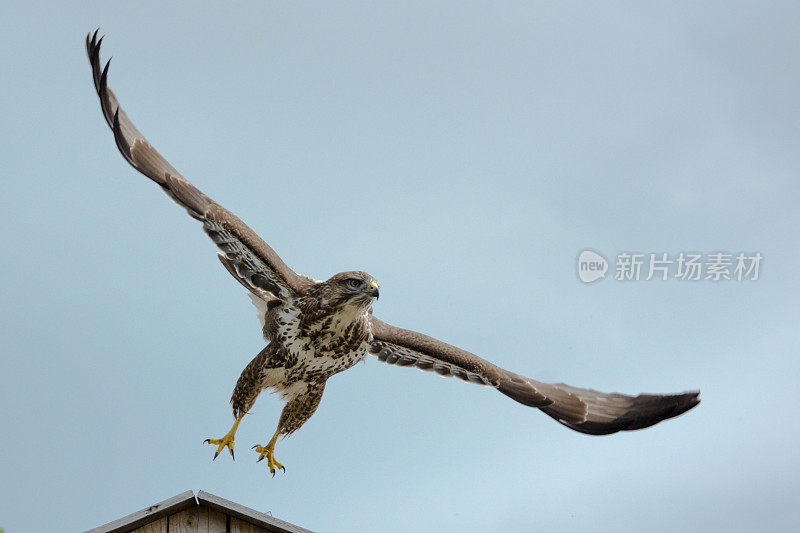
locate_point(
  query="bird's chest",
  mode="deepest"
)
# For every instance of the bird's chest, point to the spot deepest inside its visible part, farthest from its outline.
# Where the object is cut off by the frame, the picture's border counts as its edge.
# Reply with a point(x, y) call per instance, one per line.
point(326, 344)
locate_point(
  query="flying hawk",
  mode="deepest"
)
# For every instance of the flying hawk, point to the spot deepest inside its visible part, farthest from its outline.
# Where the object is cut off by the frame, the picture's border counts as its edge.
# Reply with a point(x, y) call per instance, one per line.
point(315, 329)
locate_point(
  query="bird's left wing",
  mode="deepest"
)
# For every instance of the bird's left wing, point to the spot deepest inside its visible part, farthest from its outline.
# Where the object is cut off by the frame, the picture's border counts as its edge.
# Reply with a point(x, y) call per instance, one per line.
point(252, 261)
point(584, 410)
point(403, 347)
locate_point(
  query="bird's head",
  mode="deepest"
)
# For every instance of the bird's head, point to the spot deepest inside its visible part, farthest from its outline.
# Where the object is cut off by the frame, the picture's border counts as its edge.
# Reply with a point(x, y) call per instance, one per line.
point(356, 289)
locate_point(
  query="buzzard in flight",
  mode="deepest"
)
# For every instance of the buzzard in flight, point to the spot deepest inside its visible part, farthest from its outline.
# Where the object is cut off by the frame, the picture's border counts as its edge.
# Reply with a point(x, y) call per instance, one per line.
point(315, 329)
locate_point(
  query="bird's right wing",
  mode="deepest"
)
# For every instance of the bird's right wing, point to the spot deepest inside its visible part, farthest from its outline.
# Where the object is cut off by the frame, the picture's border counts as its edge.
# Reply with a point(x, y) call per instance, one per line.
point(249, 258)
point(584, 410)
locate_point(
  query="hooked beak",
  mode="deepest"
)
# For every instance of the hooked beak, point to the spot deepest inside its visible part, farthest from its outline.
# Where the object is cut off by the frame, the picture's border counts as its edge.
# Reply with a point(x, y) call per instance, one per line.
point(373, 290)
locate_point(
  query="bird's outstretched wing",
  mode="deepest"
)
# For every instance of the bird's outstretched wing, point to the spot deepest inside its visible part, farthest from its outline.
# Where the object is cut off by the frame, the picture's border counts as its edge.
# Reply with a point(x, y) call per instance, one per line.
point(249, 258)
point(584, 410)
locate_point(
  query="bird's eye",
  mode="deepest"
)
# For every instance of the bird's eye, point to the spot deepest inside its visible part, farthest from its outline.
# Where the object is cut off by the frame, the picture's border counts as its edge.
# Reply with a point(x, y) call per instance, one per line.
point(354, 283)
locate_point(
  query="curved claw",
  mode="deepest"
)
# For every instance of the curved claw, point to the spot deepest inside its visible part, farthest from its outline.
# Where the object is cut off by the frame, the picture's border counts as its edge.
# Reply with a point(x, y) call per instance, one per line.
point(224, 442)
point(268, 453)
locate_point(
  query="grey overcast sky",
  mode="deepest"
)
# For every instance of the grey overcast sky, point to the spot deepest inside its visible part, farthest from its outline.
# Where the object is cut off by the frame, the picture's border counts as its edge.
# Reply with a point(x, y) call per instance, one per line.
point(464, 154)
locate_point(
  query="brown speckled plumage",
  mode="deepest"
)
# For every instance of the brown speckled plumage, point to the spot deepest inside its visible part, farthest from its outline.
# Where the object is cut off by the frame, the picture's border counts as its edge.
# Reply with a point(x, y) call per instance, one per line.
point(300, 408)
point(316, 329)
point(322, 331)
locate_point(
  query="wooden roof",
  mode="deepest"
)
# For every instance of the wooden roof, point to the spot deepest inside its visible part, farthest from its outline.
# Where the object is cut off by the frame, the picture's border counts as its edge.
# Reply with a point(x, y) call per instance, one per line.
point(204, 513)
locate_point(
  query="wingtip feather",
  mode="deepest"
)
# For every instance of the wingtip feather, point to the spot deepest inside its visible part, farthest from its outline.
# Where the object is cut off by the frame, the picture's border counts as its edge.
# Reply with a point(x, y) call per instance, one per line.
point(122, 143)
point(104, 78)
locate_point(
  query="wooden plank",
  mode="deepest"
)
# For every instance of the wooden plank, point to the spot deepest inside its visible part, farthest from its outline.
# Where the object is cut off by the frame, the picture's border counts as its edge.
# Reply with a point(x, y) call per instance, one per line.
point(240, 526)
point(209, 521)
point(185, 522)
point(217, 520)
point(154, 512)
point(159, 526)
point(202, 519)
point(248, 515)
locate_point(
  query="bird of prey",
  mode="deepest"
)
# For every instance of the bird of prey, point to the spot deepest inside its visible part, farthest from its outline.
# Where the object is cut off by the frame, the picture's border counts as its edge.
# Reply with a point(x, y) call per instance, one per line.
point(315, 329)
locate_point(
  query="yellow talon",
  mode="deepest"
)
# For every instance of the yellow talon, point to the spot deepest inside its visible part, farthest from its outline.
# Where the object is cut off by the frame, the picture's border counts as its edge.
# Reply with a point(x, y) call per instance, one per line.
point(268, 452)
point(226, 441)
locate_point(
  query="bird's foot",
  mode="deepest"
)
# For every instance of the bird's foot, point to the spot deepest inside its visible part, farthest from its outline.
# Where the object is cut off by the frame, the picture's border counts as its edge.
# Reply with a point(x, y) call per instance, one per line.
point(225, 442)
point(268, 452)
